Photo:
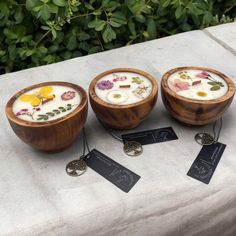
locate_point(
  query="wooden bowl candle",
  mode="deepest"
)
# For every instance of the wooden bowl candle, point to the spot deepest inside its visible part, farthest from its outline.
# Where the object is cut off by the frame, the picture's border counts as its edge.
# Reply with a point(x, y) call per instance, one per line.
point(196, 95)
point(48, 116)
point(122, 98)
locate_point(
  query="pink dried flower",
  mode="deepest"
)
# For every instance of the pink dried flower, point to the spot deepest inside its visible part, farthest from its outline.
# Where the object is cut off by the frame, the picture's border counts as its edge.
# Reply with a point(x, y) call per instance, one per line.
point(28, 112)
point(68, 95)
point(119, 78)
point(105, 84)
point(203, 74)
point(178, 85)
point(22, 112)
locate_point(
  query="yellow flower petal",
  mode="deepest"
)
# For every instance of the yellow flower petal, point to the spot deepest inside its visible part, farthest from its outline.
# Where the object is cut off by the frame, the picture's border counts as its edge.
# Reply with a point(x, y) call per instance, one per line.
point(48, 97)
point(44, 91)
point(35, 101)
point(201, 94)
point(26, 97)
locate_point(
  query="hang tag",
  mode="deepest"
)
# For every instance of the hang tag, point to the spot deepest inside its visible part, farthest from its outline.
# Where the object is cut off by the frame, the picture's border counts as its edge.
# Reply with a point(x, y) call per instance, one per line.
point(206, 162)
point(151, 136)
point(117, 174)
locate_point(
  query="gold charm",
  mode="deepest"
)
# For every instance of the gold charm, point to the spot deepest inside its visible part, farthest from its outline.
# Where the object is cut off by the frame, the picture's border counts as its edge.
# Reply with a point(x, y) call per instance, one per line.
point(204, 139)
point(76, 167)
point(133, 148)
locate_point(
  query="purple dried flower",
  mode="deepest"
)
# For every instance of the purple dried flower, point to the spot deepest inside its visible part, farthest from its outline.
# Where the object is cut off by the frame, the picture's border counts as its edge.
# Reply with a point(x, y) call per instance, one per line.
point(68, 95)
point(105, 84)
point(37, 108)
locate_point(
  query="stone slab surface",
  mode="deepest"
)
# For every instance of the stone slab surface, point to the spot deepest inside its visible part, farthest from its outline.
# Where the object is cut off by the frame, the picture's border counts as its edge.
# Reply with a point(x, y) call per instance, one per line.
point(38, 198)
point(225, 34)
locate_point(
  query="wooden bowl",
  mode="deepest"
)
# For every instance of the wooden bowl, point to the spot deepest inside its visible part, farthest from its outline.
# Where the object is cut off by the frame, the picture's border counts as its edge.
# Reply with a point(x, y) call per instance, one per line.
point(122, 116)
point(54, 135)
point(194, 111)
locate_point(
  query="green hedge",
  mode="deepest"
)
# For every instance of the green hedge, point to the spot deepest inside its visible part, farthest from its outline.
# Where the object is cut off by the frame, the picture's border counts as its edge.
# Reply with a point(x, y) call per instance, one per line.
point(38, 32)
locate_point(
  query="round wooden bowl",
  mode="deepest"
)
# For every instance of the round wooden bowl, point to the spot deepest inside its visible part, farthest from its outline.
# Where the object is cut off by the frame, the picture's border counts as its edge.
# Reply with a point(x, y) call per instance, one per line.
point(122, 116)
point(193, 111)
point(50, 136)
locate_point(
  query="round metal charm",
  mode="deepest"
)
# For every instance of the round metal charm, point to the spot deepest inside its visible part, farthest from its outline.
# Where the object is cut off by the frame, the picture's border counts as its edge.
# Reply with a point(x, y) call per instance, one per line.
point(76, 167)
point(133, 148)
point(204, 139)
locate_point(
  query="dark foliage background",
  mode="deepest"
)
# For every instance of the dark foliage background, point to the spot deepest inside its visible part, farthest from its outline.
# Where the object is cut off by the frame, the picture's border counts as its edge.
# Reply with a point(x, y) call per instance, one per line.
point(38, 32)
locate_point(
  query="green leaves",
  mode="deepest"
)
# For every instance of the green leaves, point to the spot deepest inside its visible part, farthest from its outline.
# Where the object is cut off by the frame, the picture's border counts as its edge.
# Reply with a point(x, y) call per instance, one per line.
point(60, 3)
point(212, 83)
point(110, 5)
point(137, 80)
point(72, 43)
point(114, 20)
point(166, 3)
point(214, 88)
point(30, 4)
point(54, 112)
point(42, 117)
point(131, 27)
point(207, 18)
point(100, 26)
point(108, 34)
point(215, 85)
point(44, 9)
point(117, 19)
point(178, 12)
point(138, 7)
point(47, 31)
point(152, 29)
point(97, 24)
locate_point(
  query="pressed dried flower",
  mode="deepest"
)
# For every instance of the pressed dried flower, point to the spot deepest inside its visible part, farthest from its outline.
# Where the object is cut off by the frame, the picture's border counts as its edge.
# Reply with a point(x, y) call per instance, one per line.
point(68, 95)
point(39, 97)
point(201, 94)
point(203, 74)
point(105, 85)
point(117, 96)
point(184, 75)
point(119, 78)
point(178, 85)
point(137, 80)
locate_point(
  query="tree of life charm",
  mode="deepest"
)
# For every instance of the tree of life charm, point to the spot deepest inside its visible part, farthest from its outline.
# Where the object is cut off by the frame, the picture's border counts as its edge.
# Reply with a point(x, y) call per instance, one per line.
point(76, 167)
point(204, 139)
point(133, 148)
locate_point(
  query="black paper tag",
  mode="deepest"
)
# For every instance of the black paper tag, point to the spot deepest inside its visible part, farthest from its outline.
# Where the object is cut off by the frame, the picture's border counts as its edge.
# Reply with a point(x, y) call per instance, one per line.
point(206, 162)
point(117, 174)
point(151, 136)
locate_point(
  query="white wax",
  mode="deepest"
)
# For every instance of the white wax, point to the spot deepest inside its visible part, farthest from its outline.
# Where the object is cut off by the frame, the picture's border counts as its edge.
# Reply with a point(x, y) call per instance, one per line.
point(136, 88)
point(210, 87)
point(60, 101)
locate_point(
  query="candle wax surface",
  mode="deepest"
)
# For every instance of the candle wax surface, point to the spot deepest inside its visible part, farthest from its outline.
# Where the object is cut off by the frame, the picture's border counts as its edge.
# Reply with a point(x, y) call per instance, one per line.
point(123, 88)
point(46, 103)
point(197, 84)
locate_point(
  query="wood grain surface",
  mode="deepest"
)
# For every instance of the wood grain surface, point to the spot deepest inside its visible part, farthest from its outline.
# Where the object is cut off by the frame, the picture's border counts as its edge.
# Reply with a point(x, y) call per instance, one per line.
point(122, 116)
point(193, 111)
point(50, 136)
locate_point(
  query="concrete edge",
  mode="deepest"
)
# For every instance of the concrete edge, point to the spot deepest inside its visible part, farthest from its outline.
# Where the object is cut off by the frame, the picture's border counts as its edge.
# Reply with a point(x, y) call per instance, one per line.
point(219, 41)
